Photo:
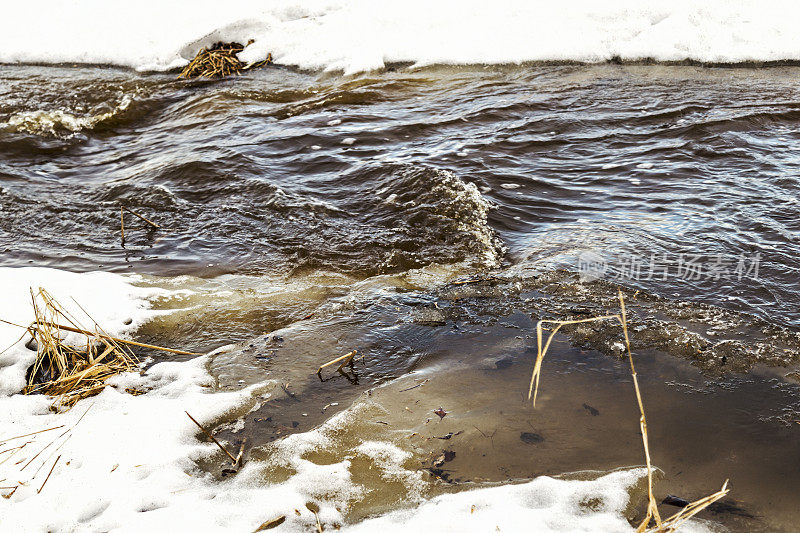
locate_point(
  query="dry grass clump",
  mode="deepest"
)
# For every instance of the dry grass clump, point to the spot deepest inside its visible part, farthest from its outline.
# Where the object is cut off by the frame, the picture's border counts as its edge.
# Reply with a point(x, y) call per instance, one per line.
point(71, 372)
point(219, 61)
point(673, 522)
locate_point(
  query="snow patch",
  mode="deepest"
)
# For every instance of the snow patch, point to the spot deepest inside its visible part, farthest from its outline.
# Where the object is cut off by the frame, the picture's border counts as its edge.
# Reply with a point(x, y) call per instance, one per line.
point(544, 504)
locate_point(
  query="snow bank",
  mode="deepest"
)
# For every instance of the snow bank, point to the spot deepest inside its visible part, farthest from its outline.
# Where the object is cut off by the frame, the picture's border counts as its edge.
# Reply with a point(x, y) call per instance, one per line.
point(128, 465)
point(357, 35)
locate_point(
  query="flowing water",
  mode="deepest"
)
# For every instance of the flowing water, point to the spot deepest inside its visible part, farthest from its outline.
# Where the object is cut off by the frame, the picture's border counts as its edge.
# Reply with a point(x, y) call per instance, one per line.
point(428, 218)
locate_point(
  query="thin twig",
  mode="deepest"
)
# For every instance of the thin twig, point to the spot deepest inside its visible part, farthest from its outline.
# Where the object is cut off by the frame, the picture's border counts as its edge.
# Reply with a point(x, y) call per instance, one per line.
point(116, 339)
point(104, 336)
point(132, 212)
point(48, 474)
point(540, 356)
point(103, 332)
point(16, 448)
point(54, 441)
point(238, 462)
point(51, 455)
point(652, 506)
point(346, 358)
point(15, 343)
point(673, 522)
point(29, 434)
point(210, 436)
point(15, 452)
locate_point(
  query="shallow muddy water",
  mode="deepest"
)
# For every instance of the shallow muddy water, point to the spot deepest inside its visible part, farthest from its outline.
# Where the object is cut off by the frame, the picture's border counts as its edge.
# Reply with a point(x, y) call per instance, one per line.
point(428, 218)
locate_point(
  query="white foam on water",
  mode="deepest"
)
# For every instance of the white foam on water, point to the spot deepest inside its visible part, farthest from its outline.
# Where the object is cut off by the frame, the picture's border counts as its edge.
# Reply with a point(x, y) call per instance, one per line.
point(359, 35)
point(58, 121)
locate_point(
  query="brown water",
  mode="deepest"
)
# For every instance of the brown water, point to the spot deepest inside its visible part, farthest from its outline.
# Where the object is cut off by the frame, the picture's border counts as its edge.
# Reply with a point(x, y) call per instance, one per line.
point(313, 214)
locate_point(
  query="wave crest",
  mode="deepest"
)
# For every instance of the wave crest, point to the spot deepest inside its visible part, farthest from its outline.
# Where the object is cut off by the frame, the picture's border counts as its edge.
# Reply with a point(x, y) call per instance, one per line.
point(60, 122)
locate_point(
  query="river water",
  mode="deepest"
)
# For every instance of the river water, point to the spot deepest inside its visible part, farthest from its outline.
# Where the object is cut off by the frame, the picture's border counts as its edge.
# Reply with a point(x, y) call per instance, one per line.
point(428, 218)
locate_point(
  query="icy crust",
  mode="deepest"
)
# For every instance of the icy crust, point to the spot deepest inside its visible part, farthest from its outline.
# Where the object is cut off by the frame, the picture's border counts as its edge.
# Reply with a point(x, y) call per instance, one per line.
point(358, 35)
point(129, 465)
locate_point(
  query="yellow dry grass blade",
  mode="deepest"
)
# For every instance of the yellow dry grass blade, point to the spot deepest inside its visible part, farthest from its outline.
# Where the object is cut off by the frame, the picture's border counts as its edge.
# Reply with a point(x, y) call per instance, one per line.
point(343, 360)
point(672, 523)
point(675, 521)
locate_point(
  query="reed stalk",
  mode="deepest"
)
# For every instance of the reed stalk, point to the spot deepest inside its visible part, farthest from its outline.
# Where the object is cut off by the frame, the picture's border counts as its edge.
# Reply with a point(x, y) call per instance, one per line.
point(673, 522)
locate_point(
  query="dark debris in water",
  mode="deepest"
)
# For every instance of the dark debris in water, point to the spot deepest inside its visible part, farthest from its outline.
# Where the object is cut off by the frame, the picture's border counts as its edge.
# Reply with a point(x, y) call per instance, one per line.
point(530, 438)
point(440, 474)
point(720, 507)
point(504, 363)
point(592, 410)
point(449, 435)
point(445, 457)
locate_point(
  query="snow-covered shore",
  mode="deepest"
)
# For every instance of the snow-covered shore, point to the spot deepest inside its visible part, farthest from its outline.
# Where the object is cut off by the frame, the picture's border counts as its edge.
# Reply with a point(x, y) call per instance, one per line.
point(124, 462)
point(359, 35)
